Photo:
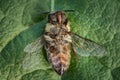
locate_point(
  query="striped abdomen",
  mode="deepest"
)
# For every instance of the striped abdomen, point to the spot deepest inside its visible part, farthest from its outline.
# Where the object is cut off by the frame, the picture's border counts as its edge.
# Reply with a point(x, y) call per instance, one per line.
point(58, 56)
point(60, 62)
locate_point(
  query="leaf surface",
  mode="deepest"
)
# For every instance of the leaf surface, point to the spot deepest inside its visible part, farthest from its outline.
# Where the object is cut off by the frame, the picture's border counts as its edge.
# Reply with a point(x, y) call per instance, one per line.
point(21, 23)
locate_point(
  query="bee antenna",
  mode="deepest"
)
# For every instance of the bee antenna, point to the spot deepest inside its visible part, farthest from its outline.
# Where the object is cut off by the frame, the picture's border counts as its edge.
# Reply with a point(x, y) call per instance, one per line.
point(45, 12)
point(69, 10)
point(53, 11)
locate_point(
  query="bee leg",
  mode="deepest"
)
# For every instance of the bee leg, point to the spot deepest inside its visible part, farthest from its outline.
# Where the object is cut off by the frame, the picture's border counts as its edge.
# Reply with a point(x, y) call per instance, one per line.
point(75, 55)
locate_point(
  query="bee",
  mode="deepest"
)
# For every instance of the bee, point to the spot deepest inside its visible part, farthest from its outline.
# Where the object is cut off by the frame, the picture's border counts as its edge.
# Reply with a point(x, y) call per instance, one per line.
point(59, 42)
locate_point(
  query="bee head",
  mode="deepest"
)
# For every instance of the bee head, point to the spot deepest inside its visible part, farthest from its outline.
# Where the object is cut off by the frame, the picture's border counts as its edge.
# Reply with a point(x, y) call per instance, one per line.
point(58, 17)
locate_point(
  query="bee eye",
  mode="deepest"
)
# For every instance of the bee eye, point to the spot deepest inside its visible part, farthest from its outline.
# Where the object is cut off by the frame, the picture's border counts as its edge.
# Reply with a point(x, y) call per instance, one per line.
point(54, 19)
point(63, 17)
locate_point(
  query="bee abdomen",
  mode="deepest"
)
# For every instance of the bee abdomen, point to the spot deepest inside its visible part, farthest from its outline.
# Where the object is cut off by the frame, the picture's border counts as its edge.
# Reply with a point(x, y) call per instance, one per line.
point(60, 63)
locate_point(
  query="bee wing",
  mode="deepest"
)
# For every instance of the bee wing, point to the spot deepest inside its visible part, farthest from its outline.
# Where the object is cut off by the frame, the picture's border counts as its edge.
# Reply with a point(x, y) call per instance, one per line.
point(34, 46)
point(85, 47)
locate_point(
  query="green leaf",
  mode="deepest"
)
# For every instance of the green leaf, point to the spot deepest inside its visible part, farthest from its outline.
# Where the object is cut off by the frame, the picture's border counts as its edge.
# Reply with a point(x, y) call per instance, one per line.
point(21, 22)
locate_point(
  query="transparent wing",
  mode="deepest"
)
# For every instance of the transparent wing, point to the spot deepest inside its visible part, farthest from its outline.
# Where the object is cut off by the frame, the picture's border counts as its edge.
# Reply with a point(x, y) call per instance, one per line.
point(34, 46)
point(85, 47)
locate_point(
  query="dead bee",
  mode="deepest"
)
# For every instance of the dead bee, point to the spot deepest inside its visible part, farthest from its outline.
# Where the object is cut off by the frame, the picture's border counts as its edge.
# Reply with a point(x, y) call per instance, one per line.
point(59, 41)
